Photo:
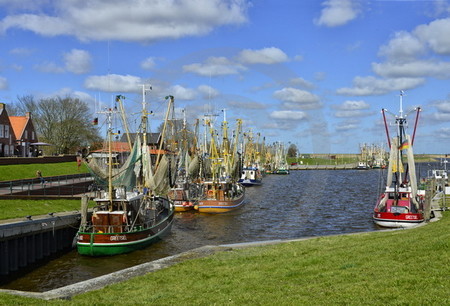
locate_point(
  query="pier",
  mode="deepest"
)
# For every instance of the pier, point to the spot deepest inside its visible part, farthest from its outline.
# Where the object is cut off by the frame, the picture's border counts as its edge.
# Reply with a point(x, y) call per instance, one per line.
point(350, 166)
point(28, 240)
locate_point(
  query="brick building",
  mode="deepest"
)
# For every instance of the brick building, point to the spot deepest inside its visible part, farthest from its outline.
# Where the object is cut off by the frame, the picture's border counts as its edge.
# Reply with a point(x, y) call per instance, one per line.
point(17, 135)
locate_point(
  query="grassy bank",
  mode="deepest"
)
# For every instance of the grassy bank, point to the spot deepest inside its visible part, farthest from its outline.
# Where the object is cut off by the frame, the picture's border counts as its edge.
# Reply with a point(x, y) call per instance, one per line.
point(20, 208)
point(405, 267)
point(27, 171)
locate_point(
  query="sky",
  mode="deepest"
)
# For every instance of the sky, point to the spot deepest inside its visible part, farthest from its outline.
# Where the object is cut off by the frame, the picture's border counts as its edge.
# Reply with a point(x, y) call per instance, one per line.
point(311, 73)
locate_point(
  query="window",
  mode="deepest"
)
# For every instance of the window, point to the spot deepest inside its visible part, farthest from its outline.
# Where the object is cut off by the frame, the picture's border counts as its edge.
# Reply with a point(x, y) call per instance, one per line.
point(1, 131)
point(32, 135)
point(6, 131)
point(25, 135)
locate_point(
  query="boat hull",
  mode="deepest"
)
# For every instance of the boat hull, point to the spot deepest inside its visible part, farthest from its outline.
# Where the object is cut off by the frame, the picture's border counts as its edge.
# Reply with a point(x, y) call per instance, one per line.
point(107, 244)
point(220, 206)
point(250, 182)
point(181, 206)
point(393, 220)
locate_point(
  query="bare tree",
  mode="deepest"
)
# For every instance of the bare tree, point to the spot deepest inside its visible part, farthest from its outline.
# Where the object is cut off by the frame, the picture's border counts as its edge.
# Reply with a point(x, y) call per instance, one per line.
point(63, 122)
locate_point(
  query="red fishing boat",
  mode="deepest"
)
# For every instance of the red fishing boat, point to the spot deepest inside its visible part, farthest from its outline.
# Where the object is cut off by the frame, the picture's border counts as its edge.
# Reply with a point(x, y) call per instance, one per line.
point(400, 205)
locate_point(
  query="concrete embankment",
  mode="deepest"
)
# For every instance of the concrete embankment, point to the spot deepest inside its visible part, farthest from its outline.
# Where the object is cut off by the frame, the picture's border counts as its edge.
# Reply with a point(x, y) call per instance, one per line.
point(26, 241)
point(323, 167)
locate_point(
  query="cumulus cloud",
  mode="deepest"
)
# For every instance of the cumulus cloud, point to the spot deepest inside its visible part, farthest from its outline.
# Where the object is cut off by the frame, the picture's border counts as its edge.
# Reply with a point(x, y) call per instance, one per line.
point(366, 86)
point(413, 69)
point(114, 83)
point(246, 105)
point(132, 20)
point(214, 66)
point(294, 98)
point(352, 109)
point(148, 63)
point(300, 82)
point(337, 13)
point(353, 105)
point(288, 115)
point(404, 46)
point(208, 92)
point(49, 67)
point(435, 35)
point(263, 56)
point(3, 83)
point(346, 126)
point(21, 51)
point(182, 93)
point(78, 61)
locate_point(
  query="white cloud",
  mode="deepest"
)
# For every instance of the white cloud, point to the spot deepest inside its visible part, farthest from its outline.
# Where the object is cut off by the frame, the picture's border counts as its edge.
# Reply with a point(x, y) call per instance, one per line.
point(3, 83)
point(367, 86)
point(182, 93)
point(440, 117)
point(49, 67)
point(214, 66)
point(351, 114)
point(442, 106)
point(263, 56)
point(347, 126)
point(288, 115)
point(337, 12)
point(413, 69)
point(294, 98)
point(114, 83)
point(21, 51)
point(78, 61)
point(208, 92)
point(353, 105)
point(404, 46)
point(148, 63)
point(435, 34)
point(132, 20)
point(246, 105)
point(301, 83)
point(352, 109)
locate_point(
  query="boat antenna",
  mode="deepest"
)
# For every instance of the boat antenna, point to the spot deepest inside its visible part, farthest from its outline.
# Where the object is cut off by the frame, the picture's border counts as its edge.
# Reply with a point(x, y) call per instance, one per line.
point(401, 103)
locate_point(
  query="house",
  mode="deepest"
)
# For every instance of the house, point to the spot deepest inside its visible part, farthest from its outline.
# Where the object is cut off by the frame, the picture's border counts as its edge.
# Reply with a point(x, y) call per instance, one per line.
point(7, 137)
point(17, 134)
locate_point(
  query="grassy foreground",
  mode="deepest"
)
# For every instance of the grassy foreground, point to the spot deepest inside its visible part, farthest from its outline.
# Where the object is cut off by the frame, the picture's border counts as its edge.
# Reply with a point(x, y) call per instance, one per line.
point(405, 267)
point(20, 208)
point(27, 171)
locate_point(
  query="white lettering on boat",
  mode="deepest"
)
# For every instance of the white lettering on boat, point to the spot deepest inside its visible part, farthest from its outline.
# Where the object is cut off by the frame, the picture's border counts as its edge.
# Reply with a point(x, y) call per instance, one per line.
point(411, 217)
point(118, 238)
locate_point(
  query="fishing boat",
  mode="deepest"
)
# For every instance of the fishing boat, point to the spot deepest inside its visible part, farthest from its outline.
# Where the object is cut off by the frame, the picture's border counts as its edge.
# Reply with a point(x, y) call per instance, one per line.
point(401, 204)
point(220, 190)
point(132, 212)
point(251, 174)
point(279, 163)
point(440, 189)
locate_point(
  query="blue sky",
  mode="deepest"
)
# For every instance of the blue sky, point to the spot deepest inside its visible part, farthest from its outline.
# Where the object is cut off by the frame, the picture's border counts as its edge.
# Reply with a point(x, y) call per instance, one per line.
point(312, 73)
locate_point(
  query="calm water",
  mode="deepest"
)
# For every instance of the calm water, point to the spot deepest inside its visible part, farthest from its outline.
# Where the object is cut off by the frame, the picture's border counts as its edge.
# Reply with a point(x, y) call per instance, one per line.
point(302, 204)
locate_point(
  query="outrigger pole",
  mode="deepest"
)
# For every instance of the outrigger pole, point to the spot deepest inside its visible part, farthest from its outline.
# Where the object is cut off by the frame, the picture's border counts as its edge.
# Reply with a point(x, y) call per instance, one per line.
point(383, 111)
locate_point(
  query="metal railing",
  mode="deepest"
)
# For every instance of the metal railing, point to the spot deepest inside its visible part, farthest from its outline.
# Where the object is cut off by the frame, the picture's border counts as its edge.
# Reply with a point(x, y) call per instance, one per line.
point(71, 184)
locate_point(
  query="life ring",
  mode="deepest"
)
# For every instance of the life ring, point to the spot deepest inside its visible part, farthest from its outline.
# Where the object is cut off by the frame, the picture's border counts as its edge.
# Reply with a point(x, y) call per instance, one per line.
point(210, 193)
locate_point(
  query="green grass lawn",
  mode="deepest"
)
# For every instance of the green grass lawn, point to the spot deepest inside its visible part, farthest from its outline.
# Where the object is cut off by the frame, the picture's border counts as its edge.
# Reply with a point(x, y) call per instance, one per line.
point(20, 208)
point(404, 267)
point(26, 171)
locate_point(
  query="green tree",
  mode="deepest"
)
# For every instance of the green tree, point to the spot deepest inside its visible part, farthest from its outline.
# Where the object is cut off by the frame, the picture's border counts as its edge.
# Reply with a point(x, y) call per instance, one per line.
point(292, 150)
point(63, 122)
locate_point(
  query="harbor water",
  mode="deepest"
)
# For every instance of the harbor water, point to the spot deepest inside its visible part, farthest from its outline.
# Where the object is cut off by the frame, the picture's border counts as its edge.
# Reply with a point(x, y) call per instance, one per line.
point(302, 204)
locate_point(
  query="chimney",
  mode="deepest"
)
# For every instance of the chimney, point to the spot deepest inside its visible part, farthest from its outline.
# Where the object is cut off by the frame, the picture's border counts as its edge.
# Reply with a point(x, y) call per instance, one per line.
point(2, 105)
point(28, 115)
